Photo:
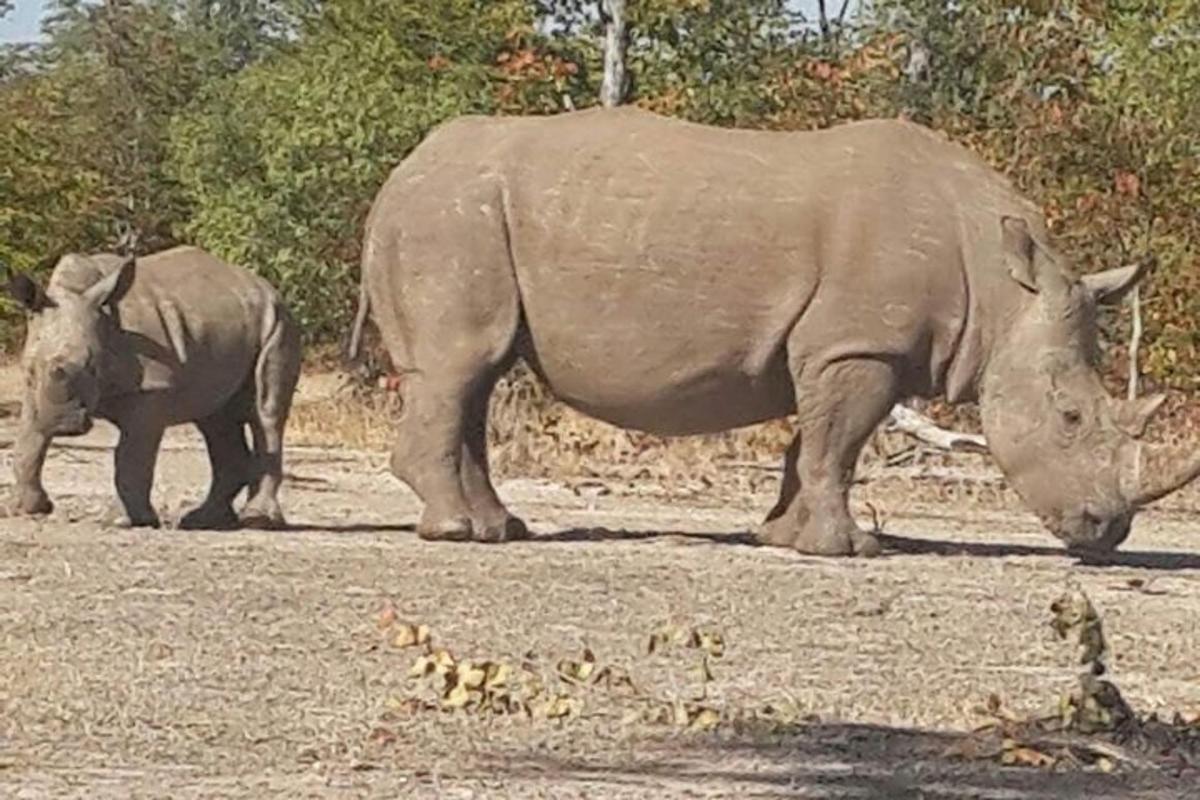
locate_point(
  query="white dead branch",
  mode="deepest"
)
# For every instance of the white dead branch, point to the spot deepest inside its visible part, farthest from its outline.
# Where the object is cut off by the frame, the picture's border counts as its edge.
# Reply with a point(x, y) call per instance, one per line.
point(917, 425)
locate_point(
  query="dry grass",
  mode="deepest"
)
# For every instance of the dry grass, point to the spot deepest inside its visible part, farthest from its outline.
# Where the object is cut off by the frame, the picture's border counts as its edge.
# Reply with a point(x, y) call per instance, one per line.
point(532, 435)
point(527, 427)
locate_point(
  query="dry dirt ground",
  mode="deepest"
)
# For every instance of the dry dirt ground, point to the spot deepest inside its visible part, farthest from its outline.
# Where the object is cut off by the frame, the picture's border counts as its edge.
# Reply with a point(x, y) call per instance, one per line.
point(253, 664)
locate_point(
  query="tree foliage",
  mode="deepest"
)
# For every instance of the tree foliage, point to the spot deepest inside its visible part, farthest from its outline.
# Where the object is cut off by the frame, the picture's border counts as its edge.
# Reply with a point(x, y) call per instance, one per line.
point(84, 119)
point(1092, 109)
point(281, 160)
point(262, 129)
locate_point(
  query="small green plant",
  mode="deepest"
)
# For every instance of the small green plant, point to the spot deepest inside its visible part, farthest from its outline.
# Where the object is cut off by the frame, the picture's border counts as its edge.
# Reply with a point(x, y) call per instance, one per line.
point(1094, 727)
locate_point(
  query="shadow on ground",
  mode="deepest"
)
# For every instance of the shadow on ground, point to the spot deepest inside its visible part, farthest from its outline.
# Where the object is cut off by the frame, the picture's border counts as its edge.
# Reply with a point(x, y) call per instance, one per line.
point(901, 546)
point(838, 761)
point(349, 527)
point(1140, 559)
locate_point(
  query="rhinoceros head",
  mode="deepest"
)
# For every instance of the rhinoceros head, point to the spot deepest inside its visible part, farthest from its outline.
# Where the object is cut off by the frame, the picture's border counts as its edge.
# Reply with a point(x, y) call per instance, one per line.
point(1073, 452)
point(64, 346)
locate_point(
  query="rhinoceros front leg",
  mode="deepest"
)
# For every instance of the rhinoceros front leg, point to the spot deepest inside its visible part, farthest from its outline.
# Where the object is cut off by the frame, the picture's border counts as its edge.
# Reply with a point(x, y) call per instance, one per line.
point(134, 461)
point(29, 457)
point(839, 405)
point(780, 526)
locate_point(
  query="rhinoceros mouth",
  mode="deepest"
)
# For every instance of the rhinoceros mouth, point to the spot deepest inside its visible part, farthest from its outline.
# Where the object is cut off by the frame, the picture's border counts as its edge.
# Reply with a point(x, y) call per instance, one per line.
point(1099, 535)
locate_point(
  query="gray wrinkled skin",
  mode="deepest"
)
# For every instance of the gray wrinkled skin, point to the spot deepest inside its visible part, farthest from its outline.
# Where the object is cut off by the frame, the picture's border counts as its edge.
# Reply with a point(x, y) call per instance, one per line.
point(682, 279)
point(173, 337)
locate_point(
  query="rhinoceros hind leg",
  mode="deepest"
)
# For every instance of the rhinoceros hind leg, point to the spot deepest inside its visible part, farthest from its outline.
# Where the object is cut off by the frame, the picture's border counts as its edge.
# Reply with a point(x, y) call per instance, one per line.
point(134, 461)
point(490, 520)
point(31, 501)
point(839, 405)
point(428, 453)
point(440, 452)
point(229, 461)
point(276, 376)
point(438, 272)
point(440, 449)
point(262, 510)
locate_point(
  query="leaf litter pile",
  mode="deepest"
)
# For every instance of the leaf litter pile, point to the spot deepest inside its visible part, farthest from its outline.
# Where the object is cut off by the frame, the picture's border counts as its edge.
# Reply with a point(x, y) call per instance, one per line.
point(575, 687)
point(1094, 727)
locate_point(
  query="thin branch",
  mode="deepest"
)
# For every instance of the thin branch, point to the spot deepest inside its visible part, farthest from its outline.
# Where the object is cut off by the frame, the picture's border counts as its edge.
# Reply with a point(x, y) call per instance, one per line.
point(1135, 304)
point(1135, 337)
point(841, 17)
point(1135, 341)
point(1135, 311)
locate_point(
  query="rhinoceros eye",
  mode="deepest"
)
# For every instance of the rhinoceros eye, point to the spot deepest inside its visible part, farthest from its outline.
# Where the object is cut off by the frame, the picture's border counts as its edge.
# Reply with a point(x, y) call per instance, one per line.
point(1072, 417)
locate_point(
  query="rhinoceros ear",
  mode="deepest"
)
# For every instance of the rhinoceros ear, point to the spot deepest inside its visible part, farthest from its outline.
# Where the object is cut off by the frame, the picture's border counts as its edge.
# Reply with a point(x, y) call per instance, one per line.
point(1111, 285)
point(26, 291)
point(1019, 251)
point(112, 287)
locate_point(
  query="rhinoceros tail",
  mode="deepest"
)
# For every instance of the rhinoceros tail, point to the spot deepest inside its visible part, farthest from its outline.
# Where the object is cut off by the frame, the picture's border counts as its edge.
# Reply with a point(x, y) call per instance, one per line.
point(360, 319)
point(277, 370)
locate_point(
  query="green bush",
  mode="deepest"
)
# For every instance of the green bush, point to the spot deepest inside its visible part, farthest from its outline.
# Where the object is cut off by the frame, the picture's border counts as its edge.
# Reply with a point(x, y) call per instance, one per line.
point(281, 161)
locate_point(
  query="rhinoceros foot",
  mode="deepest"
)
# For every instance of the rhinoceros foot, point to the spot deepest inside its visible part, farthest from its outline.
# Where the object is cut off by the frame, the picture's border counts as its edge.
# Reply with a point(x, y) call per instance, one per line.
point(119, 518)
point(865, 544)
point(818, 537)
point(209, 518)
point(30, 502)
point(508, 529)
point(778, 532)
point(452, 529)
point(262, 518)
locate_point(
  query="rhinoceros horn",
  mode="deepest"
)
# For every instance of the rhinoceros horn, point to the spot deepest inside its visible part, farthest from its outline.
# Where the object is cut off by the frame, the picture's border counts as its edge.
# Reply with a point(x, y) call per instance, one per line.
point(1162, 469)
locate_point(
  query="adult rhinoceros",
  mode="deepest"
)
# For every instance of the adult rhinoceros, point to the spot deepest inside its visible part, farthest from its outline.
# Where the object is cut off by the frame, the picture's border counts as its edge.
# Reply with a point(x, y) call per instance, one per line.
point(178, 336)
point(682, 279)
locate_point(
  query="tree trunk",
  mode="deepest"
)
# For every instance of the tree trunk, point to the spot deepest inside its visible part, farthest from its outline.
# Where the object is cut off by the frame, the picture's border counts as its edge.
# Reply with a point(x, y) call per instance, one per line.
point(823, 20)
point(612, 90)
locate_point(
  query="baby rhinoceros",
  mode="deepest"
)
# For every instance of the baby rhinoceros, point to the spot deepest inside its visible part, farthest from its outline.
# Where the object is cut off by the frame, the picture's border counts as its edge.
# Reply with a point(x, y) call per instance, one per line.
point(146, 343)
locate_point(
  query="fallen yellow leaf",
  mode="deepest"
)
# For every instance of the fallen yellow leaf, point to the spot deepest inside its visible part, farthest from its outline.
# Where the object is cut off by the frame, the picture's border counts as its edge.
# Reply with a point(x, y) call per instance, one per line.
point(410, 636)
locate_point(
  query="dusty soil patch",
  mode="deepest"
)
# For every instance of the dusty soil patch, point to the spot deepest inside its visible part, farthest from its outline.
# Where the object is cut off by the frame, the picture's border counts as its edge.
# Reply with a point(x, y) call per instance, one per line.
point(250, 664)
